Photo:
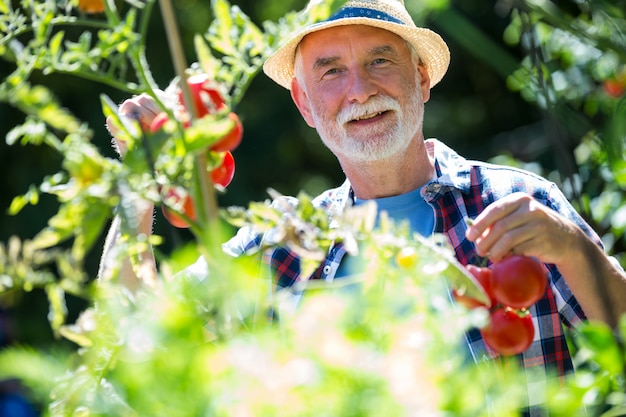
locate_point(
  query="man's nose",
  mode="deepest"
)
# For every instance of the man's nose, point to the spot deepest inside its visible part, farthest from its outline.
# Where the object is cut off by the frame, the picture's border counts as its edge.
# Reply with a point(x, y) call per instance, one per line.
point(361, 86)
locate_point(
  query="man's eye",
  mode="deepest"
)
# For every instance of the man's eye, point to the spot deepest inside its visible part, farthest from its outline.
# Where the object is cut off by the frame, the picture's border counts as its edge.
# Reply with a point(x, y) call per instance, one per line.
point(331, 73)
point(379, 61)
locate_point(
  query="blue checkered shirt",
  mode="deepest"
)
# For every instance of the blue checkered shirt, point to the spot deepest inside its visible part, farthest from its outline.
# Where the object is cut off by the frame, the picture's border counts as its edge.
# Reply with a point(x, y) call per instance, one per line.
point(460, 190)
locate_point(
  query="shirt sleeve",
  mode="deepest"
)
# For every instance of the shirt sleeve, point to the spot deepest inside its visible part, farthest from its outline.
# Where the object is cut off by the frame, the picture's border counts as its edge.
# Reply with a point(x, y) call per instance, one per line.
point(568, 306)
point(246, 241)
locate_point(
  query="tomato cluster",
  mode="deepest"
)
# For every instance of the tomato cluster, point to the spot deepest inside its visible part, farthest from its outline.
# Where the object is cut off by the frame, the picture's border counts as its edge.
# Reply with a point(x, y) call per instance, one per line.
point(220, 176)
point(207, 100)
point(512, 285)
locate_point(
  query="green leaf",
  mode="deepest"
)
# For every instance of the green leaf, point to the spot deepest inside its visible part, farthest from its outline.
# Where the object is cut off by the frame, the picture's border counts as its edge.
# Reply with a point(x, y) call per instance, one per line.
point(126, 129)
point(19, 202)
point(31, 131)
point(109, 108)
point(82, 332)
point(62, 225)
point(39, 102)
point(58, 308)
point(206, 131)
point(223, 25)
point(321, 10)
point(457, 275)
point(206, 60)
point(54, 47)
point(252, 39)
point(602, 344)
point(34, 369)
point(92, 224)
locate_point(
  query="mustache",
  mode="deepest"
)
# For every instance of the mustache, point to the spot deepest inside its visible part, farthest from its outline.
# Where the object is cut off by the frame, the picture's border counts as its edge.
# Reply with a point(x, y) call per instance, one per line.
point(376, 104)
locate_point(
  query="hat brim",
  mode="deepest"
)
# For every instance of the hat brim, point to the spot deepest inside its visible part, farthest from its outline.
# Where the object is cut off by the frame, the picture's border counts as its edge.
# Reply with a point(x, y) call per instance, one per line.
point(431, 48)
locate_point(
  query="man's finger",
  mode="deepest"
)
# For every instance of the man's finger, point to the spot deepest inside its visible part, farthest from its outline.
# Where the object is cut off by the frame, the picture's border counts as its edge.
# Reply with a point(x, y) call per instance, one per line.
point(494, 213)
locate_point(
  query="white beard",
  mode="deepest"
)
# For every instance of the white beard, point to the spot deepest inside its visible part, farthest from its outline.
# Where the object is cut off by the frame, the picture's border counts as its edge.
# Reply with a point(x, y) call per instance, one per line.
point(380, 142)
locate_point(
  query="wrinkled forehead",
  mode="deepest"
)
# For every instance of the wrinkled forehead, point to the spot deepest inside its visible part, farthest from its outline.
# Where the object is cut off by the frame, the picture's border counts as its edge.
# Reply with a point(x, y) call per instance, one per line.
point(331, 41)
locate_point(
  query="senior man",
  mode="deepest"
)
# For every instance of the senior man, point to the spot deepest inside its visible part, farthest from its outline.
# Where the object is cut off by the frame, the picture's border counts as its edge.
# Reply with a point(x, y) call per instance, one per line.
point(361, 79)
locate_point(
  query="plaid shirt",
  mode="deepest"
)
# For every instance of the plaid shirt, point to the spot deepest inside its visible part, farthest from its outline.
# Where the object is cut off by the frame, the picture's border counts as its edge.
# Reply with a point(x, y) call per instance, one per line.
point(461, 190)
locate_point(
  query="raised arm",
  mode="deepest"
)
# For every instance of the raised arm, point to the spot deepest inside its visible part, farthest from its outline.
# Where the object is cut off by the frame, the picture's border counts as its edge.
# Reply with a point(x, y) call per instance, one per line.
point(143, 109)
point(518, 224)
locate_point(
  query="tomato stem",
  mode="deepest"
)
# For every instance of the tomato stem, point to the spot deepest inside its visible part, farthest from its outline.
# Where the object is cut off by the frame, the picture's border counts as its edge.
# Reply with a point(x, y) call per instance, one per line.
point(206, 206)
point(176, 51)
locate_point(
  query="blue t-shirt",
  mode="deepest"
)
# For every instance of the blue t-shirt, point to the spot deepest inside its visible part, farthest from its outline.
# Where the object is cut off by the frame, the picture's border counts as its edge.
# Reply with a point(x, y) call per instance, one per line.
point(410, 206)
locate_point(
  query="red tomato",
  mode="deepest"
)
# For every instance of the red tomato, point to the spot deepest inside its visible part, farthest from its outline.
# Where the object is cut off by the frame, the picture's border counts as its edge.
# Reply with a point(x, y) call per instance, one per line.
point(224, 174)
point(614, 88)
point(518, 281)
point(187, 208)
point(232, 139)
point(208, 100)
point(508, 332)
point(206, 96)
point(483, 276)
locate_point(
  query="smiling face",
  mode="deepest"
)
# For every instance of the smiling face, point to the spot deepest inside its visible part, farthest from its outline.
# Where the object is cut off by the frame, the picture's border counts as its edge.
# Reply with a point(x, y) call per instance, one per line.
point(362, 89)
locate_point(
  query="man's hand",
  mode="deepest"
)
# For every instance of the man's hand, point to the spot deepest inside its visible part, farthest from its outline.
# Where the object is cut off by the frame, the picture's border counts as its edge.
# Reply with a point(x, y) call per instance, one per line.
point(142, 108)
point(518, 224)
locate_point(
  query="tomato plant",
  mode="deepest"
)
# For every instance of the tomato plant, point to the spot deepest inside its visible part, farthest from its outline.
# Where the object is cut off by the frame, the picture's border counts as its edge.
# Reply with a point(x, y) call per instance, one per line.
point(208, 100)
point(220, 176)
point(509, 332)
point(518, 281)
point(83, 163)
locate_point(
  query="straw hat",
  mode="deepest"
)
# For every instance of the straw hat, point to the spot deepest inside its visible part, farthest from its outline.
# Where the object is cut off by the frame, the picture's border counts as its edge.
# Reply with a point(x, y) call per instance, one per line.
point(390, 15)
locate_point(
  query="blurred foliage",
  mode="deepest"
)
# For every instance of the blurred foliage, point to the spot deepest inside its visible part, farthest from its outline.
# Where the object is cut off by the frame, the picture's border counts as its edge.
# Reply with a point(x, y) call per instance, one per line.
point(533, 83)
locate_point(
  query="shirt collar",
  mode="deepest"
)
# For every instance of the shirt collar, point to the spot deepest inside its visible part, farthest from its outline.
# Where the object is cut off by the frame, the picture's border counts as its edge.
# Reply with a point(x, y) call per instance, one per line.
point(451, 170)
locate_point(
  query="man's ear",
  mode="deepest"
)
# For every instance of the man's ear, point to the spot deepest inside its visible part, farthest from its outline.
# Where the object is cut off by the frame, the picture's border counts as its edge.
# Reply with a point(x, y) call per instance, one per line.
point(298, 95)
point(424, 81)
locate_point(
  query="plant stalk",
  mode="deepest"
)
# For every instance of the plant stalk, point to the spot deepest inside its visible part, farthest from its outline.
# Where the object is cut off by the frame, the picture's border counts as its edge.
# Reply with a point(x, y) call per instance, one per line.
point(207, 206)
